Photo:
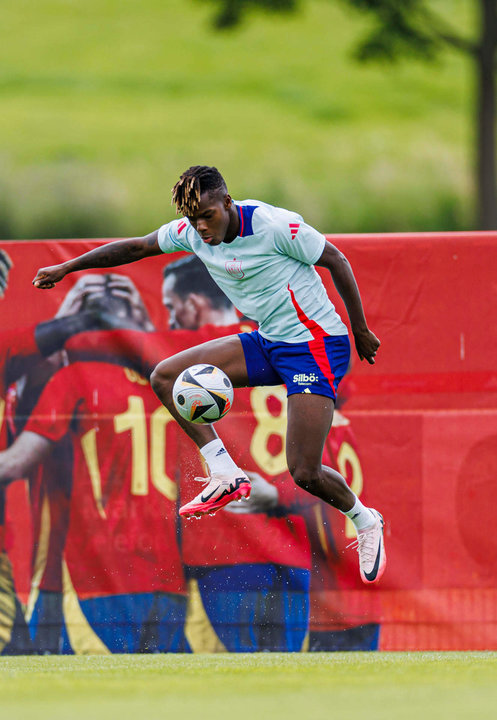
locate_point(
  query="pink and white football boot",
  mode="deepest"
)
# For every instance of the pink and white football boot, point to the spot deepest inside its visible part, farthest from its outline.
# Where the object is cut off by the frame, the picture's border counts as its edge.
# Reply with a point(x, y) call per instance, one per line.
point(219, 490)
point(371, 549)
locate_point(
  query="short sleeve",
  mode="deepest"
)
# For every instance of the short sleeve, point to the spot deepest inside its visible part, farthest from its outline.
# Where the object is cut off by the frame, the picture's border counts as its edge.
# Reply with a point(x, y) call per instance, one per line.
point(172, 237)
point(293, 237)
point(52, 414)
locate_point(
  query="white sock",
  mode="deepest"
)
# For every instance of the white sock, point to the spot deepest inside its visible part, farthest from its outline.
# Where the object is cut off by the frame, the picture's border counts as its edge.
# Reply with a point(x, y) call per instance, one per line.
point(217, 457)
point(360, 515)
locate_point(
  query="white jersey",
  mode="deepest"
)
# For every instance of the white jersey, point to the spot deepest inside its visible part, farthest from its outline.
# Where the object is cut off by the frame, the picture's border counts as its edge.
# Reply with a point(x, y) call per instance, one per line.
point(266, 271)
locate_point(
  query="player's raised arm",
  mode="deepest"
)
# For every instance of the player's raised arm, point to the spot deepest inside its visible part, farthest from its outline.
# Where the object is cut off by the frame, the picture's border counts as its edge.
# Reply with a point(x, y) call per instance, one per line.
point(366, 341)
point(119, 252)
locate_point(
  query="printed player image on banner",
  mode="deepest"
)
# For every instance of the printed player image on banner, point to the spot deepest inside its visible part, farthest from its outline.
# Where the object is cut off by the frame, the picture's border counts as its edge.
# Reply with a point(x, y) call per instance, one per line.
point(95, 557)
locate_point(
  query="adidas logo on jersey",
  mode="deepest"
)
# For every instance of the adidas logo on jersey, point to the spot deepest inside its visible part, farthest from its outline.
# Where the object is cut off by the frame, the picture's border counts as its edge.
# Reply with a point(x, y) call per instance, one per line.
point(304, 379)
point(294, 228)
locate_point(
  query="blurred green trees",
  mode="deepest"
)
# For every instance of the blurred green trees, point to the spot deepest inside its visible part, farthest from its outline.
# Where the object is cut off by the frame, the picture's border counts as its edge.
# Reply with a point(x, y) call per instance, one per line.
point(104, 103)
point(402, 28)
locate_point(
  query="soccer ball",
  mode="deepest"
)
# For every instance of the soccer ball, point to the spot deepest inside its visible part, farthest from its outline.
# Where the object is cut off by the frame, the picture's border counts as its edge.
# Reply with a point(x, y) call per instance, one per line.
point(202, 393)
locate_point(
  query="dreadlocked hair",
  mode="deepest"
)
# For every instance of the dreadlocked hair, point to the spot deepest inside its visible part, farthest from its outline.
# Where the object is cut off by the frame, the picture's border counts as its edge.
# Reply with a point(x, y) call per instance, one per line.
point(192, 183)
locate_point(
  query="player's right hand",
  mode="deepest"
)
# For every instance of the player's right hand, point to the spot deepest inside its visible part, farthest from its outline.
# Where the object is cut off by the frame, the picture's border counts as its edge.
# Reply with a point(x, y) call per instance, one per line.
point(366, 344)
point(47, 277)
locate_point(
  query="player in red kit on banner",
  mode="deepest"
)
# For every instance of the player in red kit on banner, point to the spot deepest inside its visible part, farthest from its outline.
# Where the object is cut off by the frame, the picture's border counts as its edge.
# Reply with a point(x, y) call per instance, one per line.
point(21, 350)
point(122, 575)
point(263, 258)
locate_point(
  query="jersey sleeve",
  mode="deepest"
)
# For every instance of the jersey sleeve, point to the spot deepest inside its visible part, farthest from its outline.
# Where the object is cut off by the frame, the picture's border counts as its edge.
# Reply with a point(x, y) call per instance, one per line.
point(19, 342)
point(53, 413)
point(172, 236)
point(136, 349)
point(294, 237)
point(16, 348)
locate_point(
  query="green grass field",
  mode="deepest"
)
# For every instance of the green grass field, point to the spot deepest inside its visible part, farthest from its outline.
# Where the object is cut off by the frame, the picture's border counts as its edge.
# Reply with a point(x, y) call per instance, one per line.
point(321, 686)
point(103, 103)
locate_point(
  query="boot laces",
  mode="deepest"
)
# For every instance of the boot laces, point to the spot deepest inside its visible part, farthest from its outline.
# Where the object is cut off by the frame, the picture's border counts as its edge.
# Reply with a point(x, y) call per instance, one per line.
point(365, 545)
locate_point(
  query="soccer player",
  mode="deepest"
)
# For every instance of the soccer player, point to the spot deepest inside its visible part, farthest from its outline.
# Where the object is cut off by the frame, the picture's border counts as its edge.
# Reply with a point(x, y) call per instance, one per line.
point(262, 257)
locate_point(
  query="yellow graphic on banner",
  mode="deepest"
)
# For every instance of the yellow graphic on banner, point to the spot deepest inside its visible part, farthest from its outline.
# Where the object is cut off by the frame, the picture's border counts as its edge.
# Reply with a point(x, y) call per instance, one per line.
point(89, 446)
point(159, 421)
point(347, 462)
point(318, 512)
point(82, 637)
point(135, 377)
point(134, 420)
point(40, 562)
point(268, 425)
point(7, 601)
point(198, 629)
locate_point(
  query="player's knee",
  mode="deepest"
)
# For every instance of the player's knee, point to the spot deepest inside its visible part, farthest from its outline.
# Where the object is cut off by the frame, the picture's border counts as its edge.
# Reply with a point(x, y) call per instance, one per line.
point(305, 477)
point(161, 379)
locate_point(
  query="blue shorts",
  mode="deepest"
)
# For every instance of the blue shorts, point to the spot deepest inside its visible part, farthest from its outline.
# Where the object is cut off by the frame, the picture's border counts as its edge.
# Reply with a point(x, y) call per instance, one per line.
point(313, 367)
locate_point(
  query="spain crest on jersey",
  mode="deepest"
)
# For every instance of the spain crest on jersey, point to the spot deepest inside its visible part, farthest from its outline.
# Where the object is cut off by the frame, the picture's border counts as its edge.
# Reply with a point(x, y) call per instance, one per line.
point(234, 268)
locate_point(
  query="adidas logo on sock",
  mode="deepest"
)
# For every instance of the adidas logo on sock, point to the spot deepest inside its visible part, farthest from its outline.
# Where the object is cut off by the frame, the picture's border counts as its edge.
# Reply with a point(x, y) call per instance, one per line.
point(220, 452)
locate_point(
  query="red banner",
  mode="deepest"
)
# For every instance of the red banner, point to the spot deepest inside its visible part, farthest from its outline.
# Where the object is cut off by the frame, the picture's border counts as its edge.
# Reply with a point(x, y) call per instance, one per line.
point(100, 560)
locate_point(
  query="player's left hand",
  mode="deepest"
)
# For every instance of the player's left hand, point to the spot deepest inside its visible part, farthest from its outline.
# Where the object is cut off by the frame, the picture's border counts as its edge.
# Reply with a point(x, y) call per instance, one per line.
point(263, 497)
point(366, 344)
